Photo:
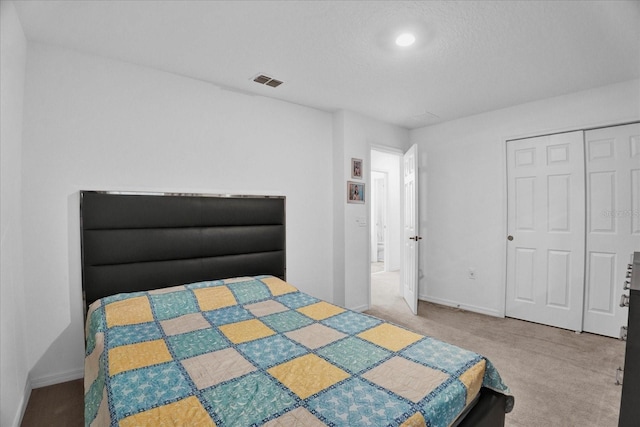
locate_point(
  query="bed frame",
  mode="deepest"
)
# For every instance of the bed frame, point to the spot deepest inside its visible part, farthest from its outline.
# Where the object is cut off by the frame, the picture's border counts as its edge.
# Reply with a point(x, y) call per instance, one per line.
point(138, 242)
point(142, 241)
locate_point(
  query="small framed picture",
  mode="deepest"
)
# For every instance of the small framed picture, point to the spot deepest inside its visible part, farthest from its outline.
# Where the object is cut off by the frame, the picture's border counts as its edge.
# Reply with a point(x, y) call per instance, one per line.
point(356, 168)
point(355, 192)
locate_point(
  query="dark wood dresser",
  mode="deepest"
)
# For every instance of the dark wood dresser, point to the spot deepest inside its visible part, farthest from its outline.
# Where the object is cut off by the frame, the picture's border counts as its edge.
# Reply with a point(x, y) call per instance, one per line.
point(630, 404)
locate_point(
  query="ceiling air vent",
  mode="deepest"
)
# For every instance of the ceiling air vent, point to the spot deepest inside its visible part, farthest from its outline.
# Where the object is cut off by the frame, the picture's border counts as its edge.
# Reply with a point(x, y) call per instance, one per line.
point(266, 80)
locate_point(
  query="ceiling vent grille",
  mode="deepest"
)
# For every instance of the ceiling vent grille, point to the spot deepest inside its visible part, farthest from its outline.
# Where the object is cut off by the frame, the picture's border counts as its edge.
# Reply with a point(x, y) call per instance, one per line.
point(266, 80)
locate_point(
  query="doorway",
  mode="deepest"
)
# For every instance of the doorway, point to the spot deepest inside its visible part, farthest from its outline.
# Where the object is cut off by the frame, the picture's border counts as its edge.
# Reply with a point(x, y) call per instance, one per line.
point(379, 238)
point(386, 226)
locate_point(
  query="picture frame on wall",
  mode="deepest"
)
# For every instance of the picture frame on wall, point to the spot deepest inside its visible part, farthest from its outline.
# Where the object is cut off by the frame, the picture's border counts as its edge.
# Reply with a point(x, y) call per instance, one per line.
point(355, 192)
point(356, 168)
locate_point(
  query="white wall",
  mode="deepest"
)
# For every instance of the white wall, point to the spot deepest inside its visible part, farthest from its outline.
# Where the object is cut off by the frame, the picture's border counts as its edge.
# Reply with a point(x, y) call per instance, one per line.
point(354, 135)
point(93, 123)
point(464, 220)
point(14, 387)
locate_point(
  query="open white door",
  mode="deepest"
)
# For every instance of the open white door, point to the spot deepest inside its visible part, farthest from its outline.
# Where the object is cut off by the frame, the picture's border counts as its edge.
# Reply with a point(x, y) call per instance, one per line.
point(410, 229)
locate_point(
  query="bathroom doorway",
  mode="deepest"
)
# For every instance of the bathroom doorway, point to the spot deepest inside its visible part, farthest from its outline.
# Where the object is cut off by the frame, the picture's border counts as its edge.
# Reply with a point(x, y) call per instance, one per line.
point(385, 225)
point(379, 184)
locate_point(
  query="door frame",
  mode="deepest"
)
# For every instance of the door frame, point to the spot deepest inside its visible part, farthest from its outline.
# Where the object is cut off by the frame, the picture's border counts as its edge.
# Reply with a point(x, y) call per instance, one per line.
point(396, 152)
point(505, 228)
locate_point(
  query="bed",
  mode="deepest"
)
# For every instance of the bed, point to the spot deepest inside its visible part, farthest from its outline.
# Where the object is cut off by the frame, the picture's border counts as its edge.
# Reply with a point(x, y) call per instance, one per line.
point(190, 321)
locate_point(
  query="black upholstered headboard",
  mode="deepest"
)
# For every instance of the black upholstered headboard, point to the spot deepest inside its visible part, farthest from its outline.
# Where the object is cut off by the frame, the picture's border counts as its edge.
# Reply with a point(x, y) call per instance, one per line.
point(137, 242)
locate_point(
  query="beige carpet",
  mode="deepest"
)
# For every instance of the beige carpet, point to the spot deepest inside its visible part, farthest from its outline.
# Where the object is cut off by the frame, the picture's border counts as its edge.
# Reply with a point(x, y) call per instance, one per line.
point(558, 377)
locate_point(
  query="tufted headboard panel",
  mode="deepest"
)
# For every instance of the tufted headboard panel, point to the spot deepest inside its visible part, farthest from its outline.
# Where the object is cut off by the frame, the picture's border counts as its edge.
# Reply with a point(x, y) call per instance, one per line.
point(142, 241)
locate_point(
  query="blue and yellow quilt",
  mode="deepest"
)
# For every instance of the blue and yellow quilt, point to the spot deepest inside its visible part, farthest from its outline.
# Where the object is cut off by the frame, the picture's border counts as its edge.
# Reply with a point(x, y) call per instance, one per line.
point(256, 351)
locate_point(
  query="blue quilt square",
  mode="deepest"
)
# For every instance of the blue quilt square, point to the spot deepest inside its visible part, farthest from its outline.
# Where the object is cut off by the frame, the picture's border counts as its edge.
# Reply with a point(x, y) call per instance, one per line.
point(227, 315)
point(196, 343)
point(356, 402)
point(354, 354)
point(206, 284)
point(272, 350)
point(351, 323)
point(123, 296)
point(234, 404)
point(443, 407)
point(249, 291)
point(173, 304)
point(129, 334)
point(440, 355)
point(93, 396)
point(141, 389)
point(97, 323)
point(286, 321)
point(297, 300)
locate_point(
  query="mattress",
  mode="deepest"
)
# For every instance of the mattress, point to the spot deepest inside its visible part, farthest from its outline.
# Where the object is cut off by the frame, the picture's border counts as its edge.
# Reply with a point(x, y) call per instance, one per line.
point(257, 351)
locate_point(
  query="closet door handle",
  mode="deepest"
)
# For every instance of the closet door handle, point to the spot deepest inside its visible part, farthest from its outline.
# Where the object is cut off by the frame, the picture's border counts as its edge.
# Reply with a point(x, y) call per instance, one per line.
point(509, 237)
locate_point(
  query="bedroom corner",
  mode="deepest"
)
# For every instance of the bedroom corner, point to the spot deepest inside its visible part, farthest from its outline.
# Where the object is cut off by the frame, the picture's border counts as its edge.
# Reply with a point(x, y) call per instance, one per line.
point(14, 389)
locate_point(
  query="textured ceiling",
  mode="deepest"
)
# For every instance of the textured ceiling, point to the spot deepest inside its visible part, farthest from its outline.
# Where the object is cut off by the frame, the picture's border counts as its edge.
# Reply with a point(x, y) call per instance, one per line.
point(470, 56)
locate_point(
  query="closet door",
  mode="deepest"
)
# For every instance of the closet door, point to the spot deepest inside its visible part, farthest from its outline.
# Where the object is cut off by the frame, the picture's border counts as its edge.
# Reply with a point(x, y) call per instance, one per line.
point(613, 222)
point(546, 223)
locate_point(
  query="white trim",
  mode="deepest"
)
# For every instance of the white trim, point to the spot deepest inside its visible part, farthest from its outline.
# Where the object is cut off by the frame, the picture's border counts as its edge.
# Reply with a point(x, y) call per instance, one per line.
point(385, 149)
point(23, 404)
point(360, 308)
point(583, 126)
point(47, 380)
point(502, 304)
point(473, 308)
point(58, 378)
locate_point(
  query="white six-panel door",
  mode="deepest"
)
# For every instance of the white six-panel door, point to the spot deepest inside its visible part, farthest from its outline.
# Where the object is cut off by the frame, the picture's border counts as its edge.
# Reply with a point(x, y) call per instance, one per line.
point(410, 229)
point(546, 223)
point(613, 222)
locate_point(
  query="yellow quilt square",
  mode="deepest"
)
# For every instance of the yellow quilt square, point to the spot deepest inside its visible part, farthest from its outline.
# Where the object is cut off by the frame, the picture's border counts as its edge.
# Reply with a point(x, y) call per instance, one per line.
point(132, 356)
point(390, 337)
point(247, 330)
point(472, 379)
point(416, 420)
point(321, 310)
point(307, 375)
point(214, 298)
point(186, 411)
point(128, 312)
point(278, 286)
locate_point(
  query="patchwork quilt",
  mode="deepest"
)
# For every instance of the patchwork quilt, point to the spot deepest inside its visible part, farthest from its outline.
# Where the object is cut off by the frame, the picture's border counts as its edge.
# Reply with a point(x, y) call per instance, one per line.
point(257, 351)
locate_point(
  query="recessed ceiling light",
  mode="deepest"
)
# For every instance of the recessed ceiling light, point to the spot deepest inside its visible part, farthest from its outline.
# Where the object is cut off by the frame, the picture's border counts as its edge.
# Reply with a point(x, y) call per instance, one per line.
point(405, 39)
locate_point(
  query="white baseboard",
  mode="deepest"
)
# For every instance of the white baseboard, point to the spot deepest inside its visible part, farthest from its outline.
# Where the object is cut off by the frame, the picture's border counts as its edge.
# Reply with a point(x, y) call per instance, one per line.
point(57, 378)
point(360, 308)
point(23, 404)
point(468, 307)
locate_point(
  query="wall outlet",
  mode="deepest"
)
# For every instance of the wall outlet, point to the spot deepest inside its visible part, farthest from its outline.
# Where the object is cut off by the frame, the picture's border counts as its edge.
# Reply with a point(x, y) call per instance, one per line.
point(472, 273)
